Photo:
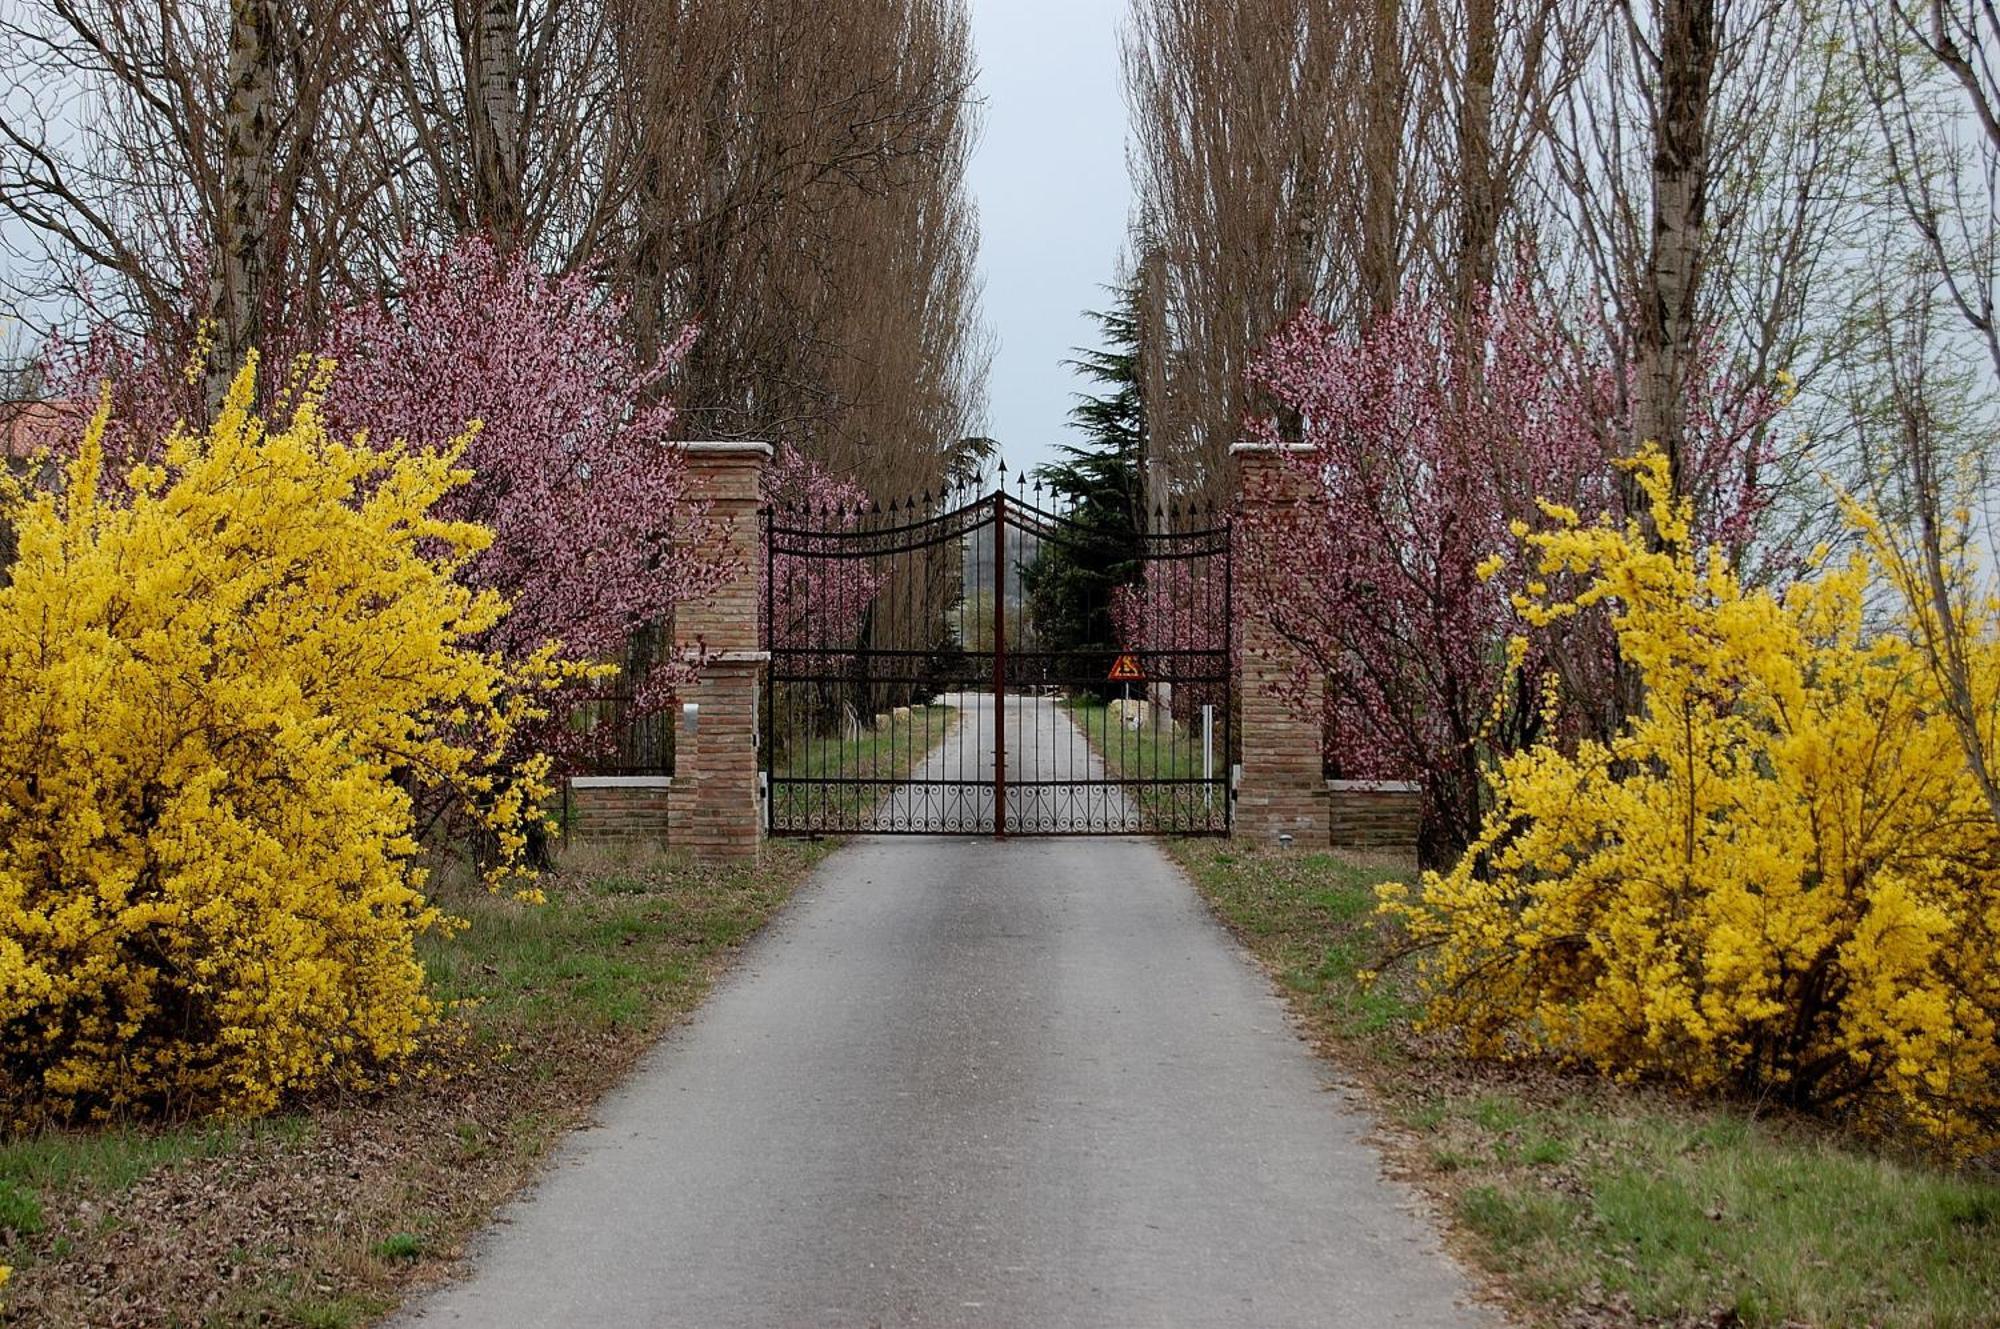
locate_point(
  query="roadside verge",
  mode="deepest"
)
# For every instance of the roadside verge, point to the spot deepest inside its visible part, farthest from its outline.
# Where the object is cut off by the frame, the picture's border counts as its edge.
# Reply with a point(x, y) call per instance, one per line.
point(1588, 1204)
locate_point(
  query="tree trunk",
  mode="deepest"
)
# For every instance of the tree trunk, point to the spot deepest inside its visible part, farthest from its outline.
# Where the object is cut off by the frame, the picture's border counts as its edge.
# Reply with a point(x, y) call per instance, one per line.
point(1665, 312)
point(243, 234)
point(1154, 463)
point(1479, 206)
point(491, 37)
point(1665, 335)
point(1382, 276)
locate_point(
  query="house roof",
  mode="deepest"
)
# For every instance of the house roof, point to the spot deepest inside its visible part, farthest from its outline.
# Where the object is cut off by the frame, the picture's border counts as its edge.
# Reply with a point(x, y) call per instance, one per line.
point(27, 427)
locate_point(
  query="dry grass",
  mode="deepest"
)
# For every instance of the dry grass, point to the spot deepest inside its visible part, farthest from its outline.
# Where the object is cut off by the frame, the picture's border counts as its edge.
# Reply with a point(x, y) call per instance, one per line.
point(328, 1215)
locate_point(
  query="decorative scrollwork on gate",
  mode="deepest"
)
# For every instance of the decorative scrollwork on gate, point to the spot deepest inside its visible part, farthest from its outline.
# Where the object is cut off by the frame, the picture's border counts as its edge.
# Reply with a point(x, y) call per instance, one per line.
point(948, 668)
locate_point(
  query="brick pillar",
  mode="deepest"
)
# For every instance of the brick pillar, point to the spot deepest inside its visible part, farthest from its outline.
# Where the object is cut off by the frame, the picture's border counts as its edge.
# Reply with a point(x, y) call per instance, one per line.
point(1282, 789)
point(715, 810)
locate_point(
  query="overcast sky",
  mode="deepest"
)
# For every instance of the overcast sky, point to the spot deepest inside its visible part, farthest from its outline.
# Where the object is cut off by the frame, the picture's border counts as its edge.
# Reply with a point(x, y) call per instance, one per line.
point(1049, 177)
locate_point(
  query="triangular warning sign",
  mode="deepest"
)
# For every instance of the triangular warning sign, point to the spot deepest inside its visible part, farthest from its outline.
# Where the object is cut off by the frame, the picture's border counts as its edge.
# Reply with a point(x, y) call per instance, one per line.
point(1126, 670)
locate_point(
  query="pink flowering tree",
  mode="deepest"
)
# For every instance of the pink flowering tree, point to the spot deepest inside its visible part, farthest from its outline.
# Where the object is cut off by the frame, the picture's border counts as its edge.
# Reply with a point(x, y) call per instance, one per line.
point(149, 391)
point(1177, 605)
point(598, 529)
point(158, 380)
point(1423, 447)
point(816, 602)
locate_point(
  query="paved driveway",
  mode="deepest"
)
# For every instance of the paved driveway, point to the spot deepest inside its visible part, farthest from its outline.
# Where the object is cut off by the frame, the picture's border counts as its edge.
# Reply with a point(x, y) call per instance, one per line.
point(960, 1082)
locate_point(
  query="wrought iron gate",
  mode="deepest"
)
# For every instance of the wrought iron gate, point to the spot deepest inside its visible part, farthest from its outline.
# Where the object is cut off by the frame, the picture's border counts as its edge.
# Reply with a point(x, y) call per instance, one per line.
point(976, 668)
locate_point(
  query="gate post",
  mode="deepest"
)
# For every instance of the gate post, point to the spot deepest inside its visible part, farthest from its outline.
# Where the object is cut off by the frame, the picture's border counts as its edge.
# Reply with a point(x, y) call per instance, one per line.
point(1282, 790)
point(714, 809)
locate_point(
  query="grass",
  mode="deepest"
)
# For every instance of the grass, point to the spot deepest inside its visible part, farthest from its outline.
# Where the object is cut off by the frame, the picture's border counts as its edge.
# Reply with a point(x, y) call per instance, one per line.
point(106, 1161)
point(880, 757)
point(322, 1217)
point(400, 1246)
point(619, 946)
point(1157, 751)
point(1587, 1203)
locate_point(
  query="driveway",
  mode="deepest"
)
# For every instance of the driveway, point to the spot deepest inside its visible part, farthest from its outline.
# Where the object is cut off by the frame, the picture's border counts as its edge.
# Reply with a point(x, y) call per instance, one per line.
point(966, 1082)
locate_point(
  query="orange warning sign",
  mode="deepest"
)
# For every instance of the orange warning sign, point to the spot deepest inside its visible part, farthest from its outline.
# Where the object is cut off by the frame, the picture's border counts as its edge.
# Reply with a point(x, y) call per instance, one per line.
point(1126, 670)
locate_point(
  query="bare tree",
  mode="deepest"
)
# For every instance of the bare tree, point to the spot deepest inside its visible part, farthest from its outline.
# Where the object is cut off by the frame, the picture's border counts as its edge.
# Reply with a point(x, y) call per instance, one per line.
point(1291, 154)
point(506, 118)
point(1683, 68)
point(170, 157)
point(1702, 173)
point(799, 192)
point(1930, 72)
point(1244, 217)
point(791, 180)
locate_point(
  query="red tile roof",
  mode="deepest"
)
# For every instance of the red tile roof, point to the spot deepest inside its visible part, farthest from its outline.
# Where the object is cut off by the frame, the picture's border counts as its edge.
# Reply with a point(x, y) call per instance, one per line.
point(26, 427)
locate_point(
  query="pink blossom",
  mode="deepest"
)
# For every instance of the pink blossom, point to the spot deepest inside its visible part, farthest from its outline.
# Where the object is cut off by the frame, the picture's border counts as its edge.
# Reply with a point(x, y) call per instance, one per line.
point(598, 529)
point(815, 601)
point(1422, 447)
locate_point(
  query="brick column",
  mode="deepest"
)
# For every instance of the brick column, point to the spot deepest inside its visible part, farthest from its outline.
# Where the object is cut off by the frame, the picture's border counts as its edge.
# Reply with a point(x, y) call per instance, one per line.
point(1282, 789)
point(715, 810)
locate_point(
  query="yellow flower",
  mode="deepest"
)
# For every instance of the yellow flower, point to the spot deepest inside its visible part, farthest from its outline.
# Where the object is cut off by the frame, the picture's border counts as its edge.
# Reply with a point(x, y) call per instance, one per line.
point(1781, 875)
point(214, 695)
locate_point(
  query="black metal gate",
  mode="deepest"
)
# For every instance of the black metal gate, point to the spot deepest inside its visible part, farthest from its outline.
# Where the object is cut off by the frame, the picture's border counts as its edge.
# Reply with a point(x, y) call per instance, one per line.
point(994, 667)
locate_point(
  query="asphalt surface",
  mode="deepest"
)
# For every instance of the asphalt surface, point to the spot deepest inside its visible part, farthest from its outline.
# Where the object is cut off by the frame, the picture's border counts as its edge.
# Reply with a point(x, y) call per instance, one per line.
point(967, 1082)
point(951, 790)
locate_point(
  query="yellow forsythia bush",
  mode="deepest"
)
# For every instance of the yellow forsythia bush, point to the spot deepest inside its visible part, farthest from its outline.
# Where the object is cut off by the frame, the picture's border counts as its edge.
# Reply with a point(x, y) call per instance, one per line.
point(216, 691)
point(1780, 879)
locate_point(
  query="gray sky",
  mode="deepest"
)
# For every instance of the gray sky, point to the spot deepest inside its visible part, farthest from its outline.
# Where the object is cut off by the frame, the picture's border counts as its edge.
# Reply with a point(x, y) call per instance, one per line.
point(1049, 177)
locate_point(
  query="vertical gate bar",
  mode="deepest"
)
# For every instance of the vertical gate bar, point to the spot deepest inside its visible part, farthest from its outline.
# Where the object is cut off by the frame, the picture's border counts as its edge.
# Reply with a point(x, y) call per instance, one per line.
point(768, 720)
point(845, 793)
point(1000, 661)
point(1166, 667)
point(965, 681)
point(1230, 682)
point(827, 692)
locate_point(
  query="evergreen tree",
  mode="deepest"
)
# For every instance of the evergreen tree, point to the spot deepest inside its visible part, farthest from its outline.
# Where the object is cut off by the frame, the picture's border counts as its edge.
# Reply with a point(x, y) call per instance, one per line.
point(1096, 485)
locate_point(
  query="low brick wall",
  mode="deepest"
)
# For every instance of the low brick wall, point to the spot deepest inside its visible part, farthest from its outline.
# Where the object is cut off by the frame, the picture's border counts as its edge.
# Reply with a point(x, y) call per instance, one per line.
point(619, 807)
point(1376, 816)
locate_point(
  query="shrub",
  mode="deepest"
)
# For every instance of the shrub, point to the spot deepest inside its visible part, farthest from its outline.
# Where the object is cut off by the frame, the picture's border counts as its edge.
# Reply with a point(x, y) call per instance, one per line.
point(217, 688)
point(1780, 878)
